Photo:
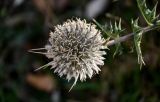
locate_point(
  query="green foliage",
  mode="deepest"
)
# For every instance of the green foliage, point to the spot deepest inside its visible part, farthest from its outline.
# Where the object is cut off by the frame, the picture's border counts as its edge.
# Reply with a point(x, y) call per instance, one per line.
point(113, 32)
point(149, 15)
point(150, 18)
point(137, 40)
point(116, 30)
point(102, 28)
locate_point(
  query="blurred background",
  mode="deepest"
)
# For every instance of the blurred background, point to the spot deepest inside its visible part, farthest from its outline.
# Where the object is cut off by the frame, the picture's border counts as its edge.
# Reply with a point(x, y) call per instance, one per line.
point(25, 24)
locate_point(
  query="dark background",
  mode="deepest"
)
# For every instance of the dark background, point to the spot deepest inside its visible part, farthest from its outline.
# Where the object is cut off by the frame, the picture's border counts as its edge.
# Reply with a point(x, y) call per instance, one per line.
point(25, 24)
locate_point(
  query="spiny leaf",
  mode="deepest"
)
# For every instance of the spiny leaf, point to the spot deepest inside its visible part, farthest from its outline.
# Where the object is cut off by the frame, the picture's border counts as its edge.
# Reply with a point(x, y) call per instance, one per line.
point(101, 27)
point(113, 32)
point(149, 15)
point(137, 40)
point(118, 49)
point(116, 29)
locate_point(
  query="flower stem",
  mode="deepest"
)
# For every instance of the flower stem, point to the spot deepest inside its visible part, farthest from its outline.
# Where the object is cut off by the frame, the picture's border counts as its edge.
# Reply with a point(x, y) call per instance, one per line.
point(126, 37)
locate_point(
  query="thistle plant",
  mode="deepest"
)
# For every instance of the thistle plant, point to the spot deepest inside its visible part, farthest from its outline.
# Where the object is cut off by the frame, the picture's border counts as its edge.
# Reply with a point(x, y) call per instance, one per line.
point(75, 50)
point(76, 47)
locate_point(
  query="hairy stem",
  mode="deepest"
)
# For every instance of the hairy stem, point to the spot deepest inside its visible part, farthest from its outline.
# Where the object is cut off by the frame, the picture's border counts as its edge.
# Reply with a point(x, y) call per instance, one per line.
point(126, 37)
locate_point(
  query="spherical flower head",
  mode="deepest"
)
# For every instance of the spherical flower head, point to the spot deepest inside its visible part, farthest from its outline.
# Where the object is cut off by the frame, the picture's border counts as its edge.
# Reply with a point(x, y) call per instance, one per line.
point(75, 50)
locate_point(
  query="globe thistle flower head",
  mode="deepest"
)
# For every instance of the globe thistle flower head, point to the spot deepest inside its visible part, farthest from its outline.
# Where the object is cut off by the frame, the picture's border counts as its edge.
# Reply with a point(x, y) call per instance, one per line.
point(75, 50)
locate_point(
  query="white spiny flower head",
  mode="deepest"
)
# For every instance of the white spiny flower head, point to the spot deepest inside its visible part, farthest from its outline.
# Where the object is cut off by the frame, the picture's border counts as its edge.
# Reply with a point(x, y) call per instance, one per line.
point(75, 50)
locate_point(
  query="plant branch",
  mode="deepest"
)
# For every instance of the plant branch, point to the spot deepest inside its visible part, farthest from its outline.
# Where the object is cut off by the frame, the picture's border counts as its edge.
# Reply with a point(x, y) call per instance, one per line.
point(126, 37)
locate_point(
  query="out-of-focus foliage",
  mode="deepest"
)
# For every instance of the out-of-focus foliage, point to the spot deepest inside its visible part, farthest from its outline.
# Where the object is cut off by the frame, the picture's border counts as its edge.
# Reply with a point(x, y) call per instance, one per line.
point(25, 24)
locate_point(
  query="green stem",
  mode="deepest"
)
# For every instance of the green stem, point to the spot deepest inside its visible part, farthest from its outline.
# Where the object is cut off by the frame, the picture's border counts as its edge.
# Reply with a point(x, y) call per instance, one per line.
point(126, 37)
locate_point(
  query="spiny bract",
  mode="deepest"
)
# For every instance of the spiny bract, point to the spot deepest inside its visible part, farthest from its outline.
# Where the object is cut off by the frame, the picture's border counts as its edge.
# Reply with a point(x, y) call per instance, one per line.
point(75, 50)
